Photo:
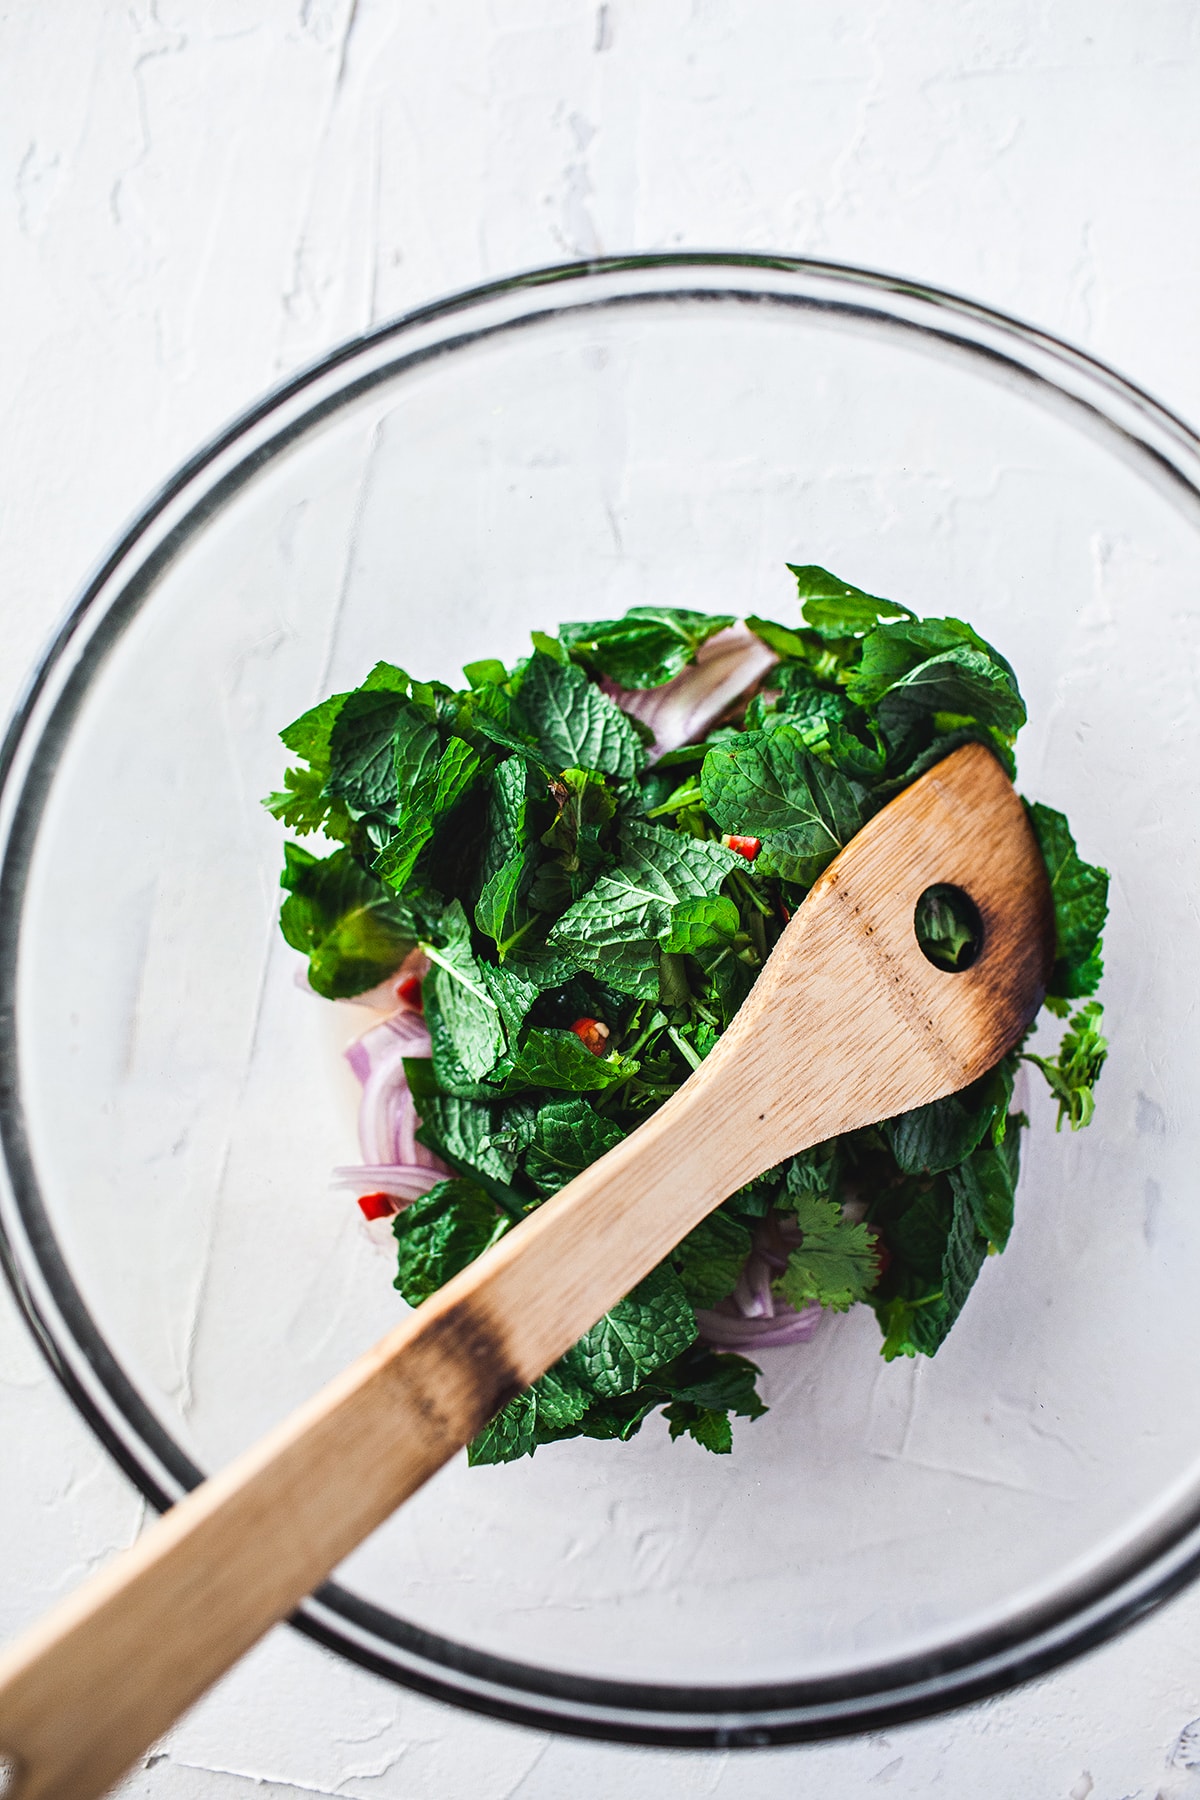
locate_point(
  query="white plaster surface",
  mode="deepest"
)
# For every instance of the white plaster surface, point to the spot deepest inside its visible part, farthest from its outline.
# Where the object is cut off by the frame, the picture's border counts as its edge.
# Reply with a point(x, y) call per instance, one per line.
point(196, 198)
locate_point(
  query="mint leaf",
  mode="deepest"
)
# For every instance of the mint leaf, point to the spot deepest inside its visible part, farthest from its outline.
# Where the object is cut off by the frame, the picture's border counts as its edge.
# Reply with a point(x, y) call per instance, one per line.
point(362, 756)
point(836, 1263)
point(936, 1137)
point(964, 683)
point(507, 867)
point(577, 726)
point(1080, 894)
point(823, 724)
point(546, 1411)
point(585, 807)
point(834, 608)
point(646, 648)
point(710, 1258)
point(650, 1326)
point(353, 932)
point(568, 1136)
point(557, 1059)
point(416, 749)
point(615, 930)
point(308, 736)
point(716, 1379)
point(620, 1418)
point(436, 794)
point(985, 1183)
point(483, 1137)
point(465, 1008)
point(765, 784)
point(704, 922)
point(709, 1428)
point(892, 651)
point(439, 1234)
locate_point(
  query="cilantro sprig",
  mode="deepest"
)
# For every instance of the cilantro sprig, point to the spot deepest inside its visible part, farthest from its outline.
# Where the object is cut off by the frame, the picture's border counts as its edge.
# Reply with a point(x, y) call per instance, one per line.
point(594, 918)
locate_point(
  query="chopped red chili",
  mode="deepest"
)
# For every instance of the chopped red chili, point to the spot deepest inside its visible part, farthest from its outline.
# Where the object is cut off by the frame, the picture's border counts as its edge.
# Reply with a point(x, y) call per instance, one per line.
point(376, 1206)
point(409, 990)
point(592, 1034)
point(745, 846)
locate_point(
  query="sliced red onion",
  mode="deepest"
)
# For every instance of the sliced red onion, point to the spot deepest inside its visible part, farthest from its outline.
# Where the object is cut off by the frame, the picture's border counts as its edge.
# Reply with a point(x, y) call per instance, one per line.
point(403, 1182)
point(685, 708)
point(387, 1119)
point(753, 1317)
point(730, 1331)
point(393, 1161)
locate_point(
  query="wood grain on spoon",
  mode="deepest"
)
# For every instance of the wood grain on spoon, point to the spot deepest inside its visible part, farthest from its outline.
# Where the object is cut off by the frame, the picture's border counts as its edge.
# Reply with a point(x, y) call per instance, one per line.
point(848, 1023)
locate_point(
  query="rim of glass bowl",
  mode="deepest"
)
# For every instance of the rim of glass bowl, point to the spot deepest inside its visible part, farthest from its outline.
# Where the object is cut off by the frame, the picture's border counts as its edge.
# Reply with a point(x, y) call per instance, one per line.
point(1054, 373)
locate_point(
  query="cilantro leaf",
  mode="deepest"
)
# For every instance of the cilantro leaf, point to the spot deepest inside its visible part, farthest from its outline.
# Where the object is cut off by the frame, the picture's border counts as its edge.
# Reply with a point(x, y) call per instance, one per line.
point(837, 1262)
point(706, 1387)
point(353, 932)
point(577, 726)
point(440, 1233)
point(1075, 1071)
point(646, 648)
point(304, 807)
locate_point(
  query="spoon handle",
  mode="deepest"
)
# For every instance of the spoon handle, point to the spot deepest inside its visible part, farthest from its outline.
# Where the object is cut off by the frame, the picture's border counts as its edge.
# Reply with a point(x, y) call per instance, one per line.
point(92, 1685)
point(848, 1023)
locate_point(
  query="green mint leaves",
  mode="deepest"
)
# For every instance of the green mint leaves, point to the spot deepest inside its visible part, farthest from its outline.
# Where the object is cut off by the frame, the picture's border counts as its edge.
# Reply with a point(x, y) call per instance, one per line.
point(1080, 894)
point(646, 648)
point(594, 918)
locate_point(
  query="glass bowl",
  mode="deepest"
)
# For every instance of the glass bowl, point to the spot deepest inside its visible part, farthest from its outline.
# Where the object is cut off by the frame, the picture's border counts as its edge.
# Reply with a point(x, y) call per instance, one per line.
point(889, 1538)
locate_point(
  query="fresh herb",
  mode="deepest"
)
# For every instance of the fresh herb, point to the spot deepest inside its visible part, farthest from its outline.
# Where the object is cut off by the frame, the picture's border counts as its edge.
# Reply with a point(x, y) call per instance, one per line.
point(593, 918)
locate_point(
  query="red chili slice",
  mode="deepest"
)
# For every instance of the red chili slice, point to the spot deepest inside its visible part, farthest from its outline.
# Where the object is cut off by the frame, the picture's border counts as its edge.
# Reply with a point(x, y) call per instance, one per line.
point(745, 846)
point(409, 990)
point(592, 1034)
point(376, 1206)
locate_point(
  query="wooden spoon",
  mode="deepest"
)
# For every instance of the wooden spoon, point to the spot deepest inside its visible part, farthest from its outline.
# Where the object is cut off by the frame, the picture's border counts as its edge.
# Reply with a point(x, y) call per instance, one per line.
point(848, 1023)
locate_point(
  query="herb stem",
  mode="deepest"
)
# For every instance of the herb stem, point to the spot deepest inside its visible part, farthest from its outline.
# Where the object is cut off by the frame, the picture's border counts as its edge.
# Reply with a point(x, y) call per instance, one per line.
point(436, 956)
point(684, 1048)
point(746, 889)
point(691, 795)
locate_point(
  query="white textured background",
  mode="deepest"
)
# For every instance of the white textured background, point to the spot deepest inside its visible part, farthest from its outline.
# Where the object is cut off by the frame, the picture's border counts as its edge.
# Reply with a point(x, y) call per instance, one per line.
point(195, 197)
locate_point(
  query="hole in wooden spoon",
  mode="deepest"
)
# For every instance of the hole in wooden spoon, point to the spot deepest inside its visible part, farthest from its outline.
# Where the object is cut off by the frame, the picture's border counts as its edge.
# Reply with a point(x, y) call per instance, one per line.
point(948, 927)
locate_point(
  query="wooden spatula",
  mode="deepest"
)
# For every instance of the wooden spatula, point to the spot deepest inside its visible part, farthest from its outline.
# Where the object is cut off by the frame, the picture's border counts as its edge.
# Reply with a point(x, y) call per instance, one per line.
point(848, 1023)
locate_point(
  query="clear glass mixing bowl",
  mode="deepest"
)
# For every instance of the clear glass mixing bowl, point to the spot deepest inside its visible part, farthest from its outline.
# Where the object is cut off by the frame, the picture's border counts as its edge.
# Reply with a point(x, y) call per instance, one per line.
point(887, 1539)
